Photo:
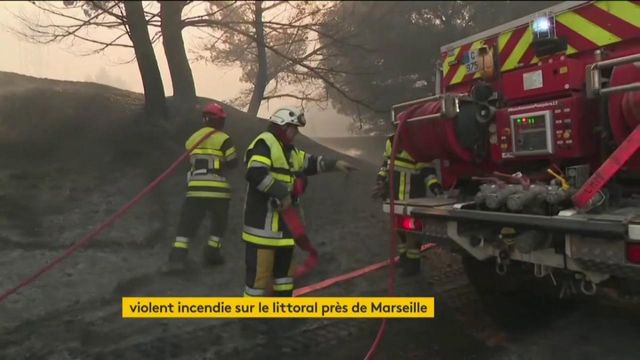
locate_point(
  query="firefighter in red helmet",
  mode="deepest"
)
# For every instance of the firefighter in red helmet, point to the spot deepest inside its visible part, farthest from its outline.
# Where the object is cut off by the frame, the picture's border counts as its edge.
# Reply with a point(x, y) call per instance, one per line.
point(208, 191)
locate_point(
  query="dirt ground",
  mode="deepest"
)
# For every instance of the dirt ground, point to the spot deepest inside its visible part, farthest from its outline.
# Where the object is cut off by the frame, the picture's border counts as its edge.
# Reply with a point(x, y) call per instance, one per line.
point(76, 168)
point(49, 201)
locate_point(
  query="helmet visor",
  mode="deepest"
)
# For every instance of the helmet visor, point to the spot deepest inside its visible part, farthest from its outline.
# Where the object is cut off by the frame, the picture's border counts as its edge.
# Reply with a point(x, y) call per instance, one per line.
point(301, 120)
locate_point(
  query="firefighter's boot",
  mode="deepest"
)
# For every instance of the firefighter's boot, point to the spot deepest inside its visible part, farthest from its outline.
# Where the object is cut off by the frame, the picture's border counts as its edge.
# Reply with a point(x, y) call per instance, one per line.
point(402, 255)
point(412, 263)
point(211, 252)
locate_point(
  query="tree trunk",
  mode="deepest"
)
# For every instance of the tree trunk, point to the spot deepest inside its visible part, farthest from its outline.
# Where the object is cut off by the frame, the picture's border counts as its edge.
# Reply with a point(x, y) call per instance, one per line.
point(261, 75)
point(184, 90)
point(154, 99)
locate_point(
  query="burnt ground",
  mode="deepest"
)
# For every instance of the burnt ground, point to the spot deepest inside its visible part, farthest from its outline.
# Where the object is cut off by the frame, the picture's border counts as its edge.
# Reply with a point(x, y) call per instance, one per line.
point(73, 153)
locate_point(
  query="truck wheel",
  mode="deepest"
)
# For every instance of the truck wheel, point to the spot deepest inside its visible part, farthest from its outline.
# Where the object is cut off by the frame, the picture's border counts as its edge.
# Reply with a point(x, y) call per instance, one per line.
point(517, 300)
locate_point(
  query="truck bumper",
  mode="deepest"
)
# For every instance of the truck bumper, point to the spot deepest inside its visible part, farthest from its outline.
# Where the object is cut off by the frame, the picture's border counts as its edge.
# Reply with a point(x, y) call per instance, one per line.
point(594, 244)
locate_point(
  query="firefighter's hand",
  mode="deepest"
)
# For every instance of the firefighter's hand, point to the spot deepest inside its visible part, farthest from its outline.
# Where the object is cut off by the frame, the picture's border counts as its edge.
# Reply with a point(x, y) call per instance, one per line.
point(344, 166)
point(437, 190)
point(285, 203)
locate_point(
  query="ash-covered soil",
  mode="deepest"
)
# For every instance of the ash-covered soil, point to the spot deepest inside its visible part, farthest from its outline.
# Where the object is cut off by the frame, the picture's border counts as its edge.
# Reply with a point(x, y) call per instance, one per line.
point(74, 153)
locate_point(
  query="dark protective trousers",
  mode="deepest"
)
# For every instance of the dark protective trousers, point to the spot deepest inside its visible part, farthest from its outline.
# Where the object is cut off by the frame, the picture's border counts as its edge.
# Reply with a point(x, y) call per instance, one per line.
point(194, 210)
point(268, 267)
point(408, 247)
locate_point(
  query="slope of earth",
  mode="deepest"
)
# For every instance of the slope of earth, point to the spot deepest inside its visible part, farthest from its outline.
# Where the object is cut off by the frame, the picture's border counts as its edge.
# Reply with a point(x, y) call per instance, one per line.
point(74, 154)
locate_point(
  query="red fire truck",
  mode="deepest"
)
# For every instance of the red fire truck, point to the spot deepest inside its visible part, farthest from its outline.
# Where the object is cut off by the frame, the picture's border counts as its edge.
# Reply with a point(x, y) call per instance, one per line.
point(535, 128)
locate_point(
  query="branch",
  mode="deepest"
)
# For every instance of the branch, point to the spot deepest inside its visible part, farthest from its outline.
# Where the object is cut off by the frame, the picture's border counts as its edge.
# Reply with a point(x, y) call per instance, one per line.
point(313, 27)
point(83, 23)
point(108, 10)
point(327, 81)
point(208, 15)
point(271, 25)
point(297, 97)
point(107, 45)
point(46, 34)
point(273, 6)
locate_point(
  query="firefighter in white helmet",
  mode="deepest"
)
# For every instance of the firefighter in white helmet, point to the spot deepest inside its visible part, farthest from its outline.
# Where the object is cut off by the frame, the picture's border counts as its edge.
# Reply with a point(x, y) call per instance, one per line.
point(273, 166)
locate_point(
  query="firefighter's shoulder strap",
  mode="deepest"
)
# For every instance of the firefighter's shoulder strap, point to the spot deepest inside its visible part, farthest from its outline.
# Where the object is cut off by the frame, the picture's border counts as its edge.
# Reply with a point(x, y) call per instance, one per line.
point(213, 142)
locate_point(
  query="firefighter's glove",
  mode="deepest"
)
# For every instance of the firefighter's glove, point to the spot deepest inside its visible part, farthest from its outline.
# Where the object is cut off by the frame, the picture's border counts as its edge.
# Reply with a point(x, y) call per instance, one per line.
point(344, 166)
point(437, 189)
point(283, 203)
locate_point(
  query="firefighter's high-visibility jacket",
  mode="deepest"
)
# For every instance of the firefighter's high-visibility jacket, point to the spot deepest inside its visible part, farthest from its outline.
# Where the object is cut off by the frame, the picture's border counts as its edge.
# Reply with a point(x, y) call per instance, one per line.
point(205, 178)
point(271, 171)
point(411, 178)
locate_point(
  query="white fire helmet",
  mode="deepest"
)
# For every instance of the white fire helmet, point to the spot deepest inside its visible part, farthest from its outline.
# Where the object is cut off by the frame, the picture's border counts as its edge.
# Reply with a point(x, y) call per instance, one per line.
point(287, 115)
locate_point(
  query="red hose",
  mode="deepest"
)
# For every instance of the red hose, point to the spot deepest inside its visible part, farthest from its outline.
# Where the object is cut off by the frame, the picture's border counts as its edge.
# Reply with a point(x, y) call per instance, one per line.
point(91, 235)
point(394, 240)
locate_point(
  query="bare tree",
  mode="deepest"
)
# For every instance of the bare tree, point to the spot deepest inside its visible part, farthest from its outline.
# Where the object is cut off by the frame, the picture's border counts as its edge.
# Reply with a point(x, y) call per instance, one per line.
point(287, 34)
point(261, 75)
point(155, 101)
point(125, 22)
point(184, 89)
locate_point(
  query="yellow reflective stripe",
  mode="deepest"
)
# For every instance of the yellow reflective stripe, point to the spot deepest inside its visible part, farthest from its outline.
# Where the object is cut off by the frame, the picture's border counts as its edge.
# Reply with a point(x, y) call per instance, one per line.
point(406, 165)
point(403, 186)
point(571, 49)
point(503, 39)
point(204, 151)
point(260, 159)
point(214, 243)
point(220, 184)
point(431, 182)
point(404, 155)
point(387, 149)
point(382, 173)
point(462, 70)
point(230, 151)
point(519, 50)
point(586, 28)
point(208, 194)
point(275, 221)
point(282, 287)
point(267, 241)
point(625, 10)
point(448, 59)
point(181, 244)
point(282, 177)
